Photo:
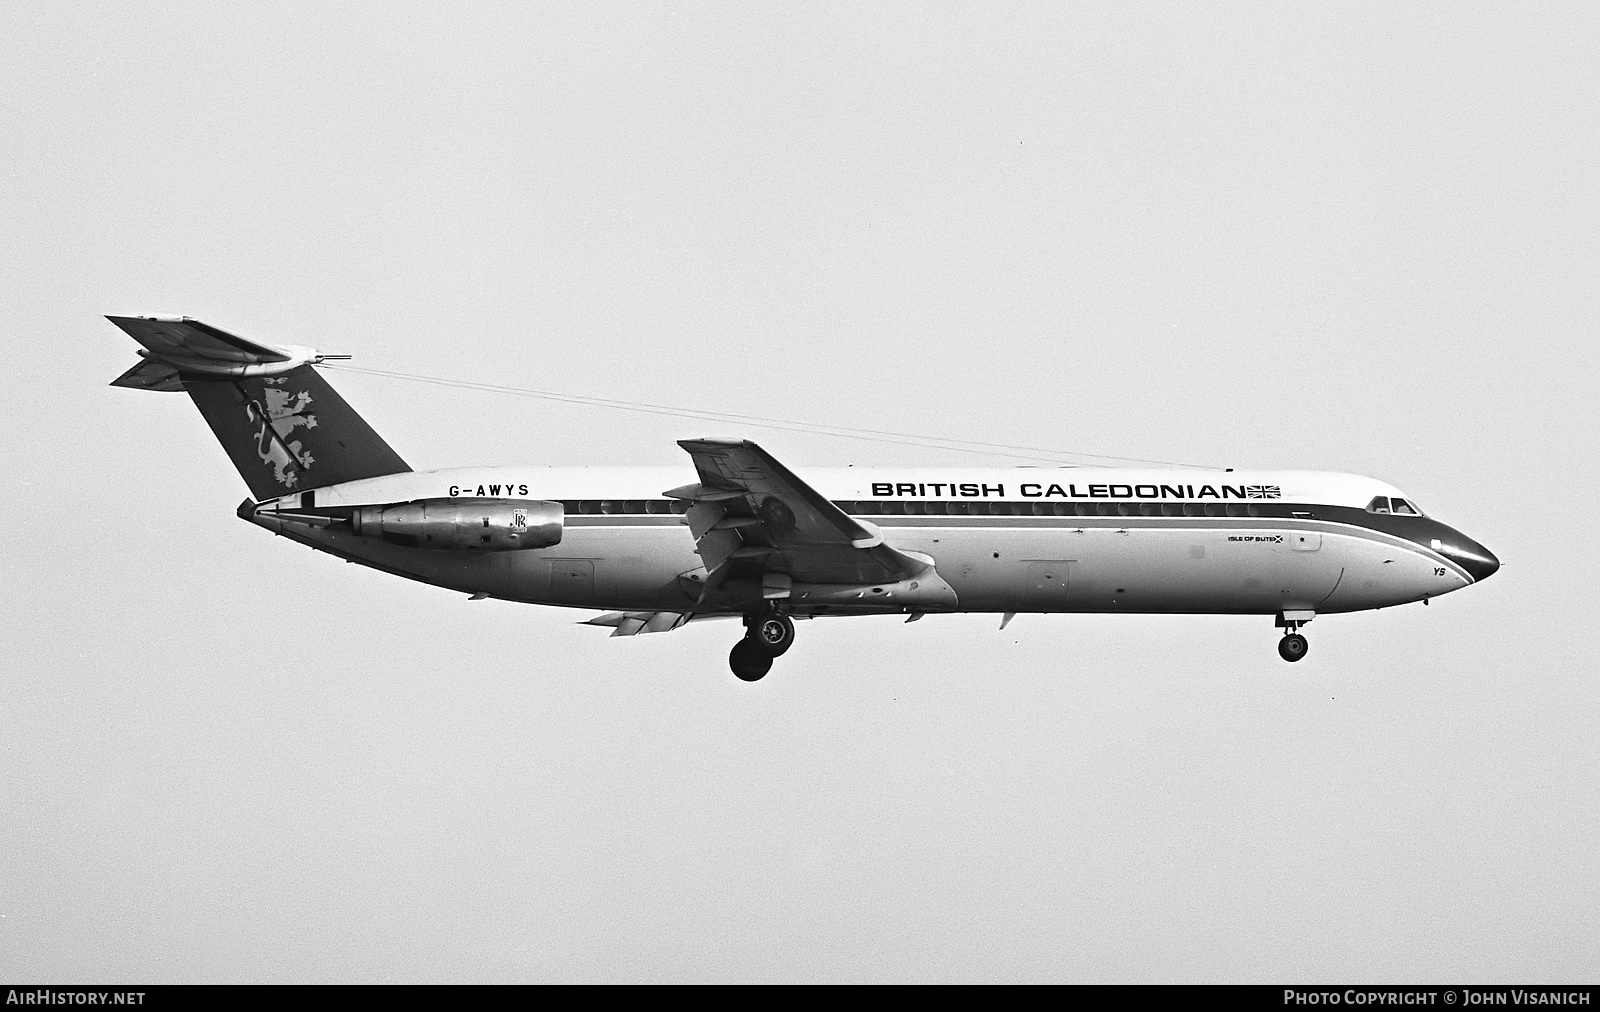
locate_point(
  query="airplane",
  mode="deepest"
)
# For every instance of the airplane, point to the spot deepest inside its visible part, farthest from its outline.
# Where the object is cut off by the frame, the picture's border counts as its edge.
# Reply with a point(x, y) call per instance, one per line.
point(748, 538)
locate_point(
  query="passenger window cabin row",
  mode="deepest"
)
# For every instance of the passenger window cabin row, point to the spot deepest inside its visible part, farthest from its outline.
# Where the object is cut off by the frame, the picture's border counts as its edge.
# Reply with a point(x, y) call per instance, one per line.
point(1045, 508)
point(942, 508)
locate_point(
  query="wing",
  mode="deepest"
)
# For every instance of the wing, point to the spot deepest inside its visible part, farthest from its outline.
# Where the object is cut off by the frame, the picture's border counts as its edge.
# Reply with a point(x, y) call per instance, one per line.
point(752, 517)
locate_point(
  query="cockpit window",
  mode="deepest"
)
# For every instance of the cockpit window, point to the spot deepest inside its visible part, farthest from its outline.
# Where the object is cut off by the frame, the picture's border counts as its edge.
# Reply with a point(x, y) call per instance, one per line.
point(1397, 506)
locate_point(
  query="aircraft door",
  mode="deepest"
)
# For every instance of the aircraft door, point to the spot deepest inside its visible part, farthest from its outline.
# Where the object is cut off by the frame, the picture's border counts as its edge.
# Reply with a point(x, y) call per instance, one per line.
point(1048, 582)
point(572, 580)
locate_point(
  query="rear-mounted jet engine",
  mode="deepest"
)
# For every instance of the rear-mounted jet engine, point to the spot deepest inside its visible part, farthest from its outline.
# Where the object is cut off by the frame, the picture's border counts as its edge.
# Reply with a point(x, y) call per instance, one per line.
point(479, 525)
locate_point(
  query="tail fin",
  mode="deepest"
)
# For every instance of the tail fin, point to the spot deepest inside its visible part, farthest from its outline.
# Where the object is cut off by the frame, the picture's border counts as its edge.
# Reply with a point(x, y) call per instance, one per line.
point(283, 426)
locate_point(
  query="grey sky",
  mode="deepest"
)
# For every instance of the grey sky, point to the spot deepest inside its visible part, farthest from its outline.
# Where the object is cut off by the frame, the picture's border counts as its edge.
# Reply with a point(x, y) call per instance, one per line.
point(1356, 238)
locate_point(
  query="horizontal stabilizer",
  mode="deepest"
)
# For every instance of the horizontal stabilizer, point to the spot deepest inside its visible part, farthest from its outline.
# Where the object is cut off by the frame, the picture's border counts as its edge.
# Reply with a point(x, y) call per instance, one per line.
point(150, 375)
point(182, 337)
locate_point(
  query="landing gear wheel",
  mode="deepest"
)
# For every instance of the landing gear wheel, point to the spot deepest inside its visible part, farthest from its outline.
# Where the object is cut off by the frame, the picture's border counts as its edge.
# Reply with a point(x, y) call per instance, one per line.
point(1293, 647)
point(748, 661)
point(774, 634)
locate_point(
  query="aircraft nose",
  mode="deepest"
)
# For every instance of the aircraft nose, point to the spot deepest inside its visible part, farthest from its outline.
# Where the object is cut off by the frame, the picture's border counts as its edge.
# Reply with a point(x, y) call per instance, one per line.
point(1488, 566)
point(1471, 556)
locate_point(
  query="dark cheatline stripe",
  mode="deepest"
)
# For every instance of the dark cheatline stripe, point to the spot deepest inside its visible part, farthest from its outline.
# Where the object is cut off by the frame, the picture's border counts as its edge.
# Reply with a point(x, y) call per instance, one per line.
point(1025, 508)
point(952, 507)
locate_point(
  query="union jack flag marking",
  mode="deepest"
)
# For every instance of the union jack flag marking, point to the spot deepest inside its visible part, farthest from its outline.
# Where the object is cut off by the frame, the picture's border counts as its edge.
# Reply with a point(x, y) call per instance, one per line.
point(1263, 491)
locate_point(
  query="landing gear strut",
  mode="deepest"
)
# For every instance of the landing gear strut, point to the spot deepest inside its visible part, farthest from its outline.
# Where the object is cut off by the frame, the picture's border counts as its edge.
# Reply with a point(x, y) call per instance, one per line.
point(767, 635)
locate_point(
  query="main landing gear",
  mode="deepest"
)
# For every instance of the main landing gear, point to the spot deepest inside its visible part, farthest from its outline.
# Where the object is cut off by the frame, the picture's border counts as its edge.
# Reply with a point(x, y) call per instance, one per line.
point(766, 636)
point(1293, 646)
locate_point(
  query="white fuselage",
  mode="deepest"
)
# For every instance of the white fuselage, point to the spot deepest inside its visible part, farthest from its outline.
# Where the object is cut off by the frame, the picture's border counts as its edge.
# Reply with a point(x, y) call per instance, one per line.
point(1005, 540)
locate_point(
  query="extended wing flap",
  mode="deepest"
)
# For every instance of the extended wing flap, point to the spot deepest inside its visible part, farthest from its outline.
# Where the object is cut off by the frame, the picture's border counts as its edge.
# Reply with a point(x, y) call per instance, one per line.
point(634, 623)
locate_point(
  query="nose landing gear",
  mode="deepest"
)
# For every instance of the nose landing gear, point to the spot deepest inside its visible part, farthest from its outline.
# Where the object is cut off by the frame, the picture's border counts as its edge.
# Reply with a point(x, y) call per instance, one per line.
point(1293, 646)
point(766, 636)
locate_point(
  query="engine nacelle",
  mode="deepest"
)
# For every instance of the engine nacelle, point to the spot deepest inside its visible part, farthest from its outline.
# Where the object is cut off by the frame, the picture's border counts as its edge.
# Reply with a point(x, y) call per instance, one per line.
point(471, 525)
